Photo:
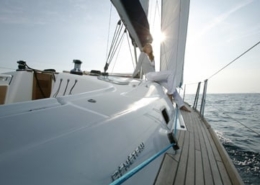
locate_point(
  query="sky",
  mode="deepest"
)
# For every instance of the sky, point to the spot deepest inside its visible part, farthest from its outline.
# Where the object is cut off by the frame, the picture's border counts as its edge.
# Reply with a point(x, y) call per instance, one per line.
point(51, 33)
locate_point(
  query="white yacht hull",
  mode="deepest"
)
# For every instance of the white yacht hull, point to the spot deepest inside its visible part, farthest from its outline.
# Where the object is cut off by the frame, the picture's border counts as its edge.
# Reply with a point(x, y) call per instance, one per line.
point(85, 137)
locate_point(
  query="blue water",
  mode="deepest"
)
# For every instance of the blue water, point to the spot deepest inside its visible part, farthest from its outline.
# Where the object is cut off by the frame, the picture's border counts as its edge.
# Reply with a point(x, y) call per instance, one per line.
point(236, 120)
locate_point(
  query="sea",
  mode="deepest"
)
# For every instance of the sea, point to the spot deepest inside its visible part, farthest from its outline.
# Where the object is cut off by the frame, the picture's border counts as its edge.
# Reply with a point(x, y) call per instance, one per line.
point(236, 121)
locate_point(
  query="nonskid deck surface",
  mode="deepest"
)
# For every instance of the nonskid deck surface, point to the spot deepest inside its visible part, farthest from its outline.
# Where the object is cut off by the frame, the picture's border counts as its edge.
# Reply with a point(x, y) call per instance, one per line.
point(201, 159)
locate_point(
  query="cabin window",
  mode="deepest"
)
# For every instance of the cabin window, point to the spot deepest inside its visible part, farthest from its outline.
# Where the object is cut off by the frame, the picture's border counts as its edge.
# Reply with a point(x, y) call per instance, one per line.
point(165, 116)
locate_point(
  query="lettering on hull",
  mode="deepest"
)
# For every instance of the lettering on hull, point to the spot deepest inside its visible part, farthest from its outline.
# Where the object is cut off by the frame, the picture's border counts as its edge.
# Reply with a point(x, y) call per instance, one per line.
point(123, 167)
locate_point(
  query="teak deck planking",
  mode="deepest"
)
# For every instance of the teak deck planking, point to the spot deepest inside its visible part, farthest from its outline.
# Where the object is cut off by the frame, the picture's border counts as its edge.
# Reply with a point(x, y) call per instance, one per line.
point(201, 159)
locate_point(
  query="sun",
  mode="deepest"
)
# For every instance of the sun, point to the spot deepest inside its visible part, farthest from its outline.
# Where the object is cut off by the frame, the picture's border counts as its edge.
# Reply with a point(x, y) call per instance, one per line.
point(162, 36)
point(159, 36)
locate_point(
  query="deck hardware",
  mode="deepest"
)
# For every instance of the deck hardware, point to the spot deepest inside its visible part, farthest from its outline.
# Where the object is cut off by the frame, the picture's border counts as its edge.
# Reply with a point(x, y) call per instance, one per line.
point(76, 70)
point(68, 80)
point(92, 101)
point(173, 140)
point(21, 65)
point(73, 86)
point(165, 116)
point(57, 92)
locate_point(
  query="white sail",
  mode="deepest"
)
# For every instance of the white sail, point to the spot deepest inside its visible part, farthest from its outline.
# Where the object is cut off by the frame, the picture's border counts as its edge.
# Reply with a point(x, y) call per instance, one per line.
point(174, 21)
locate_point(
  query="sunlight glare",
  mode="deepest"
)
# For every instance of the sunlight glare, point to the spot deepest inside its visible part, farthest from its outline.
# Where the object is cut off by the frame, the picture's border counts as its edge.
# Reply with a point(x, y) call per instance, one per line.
point(162, 36)
point(158, 36)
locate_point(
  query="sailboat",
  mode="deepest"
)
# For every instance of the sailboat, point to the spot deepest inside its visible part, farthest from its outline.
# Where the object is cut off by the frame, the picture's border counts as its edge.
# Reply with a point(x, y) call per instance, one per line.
point(70, 128)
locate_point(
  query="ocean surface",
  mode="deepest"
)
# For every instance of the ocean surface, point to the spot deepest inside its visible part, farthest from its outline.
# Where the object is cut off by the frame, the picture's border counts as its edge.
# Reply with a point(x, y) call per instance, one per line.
point(236, 120)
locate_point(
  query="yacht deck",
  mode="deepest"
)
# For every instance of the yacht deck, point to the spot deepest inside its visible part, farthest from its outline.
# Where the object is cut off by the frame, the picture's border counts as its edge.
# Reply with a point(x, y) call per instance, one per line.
point(201, 159)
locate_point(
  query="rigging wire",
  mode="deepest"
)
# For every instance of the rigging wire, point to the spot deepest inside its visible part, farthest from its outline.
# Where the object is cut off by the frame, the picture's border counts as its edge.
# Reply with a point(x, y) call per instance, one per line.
point(130, 50)
point(120, 44)
point(109, 24)
point(192, 83)
point(114, 44)
point(235, 59)
point(220, 71)
point(157, 10)
point(116, 34)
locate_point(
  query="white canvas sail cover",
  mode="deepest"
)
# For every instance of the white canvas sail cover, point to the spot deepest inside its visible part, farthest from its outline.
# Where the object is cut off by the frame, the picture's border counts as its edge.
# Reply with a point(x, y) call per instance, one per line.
point(134, 15)
point(174, 23)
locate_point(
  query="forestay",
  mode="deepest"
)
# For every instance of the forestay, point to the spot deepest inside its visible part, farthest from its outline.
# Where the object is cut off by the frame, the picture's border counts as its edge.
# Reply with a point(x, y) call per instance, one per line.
point(174, 21)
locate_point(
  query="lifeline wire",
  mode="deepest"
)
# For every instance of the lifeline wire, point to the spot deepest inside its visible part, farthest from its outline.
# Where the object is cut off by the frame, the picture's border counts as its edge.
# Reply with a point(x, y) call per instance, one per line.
point(109, 28)
point(234, 59)
point(229, 62)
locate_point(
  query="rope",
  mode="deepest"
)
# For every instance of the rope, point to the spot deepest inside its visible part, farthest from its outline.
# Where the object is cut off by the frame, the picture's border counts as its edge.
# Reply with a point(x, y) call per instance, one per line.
point(140, 166)
point(235, 59)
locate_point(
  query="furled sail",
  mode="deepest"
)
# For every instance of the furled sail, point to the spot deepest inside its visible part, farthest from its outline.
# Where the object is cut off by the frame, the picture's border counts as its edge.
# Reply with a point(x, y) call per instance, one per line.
point(174, 22)
point(134, 15)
